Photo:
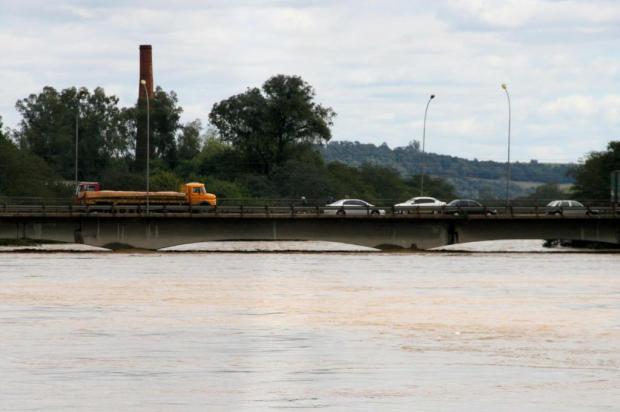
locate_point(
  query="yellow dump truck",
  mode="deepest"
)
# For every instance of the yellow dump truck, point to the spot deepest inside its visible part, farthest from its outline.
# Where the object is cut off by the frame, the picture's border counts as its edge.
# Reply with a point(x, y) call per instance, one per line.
point(90, 193)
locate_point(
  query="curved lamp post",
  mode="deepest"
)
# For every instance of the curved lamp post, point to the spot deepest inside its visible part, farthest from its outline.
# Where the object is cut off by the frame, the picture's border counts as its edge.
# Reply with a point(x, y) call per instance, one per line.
point(508, 162)
point(432, 96)
point(148, 150)
point(77, 118)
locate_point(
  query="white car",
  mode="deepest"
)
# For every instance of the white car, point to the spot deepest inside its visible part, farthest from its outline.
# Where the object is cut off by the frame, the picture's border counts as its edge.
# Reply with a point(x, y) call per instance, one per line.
point(356, 207)
point(420, 204)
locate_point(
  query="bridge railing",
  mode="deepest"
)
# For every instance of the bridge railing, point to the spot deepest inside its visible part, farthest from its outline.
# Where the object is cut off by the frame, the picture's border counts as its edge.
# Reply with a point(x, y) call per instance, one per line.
point(304, 207)
point(31, 200)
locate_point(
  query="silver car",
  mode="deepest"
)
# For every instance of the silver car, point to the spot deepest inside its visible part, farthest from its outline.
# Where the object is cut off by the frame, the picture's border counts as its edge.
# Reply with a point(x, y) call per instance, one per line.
point(569, 208)
point(355, 207)
point(420, 204)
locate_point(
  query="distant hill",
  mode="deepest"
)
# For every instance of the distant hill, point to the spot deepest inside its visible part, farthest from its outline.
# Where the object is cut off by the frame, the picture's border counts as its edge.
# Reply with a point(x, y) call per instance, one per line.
point(472, 178)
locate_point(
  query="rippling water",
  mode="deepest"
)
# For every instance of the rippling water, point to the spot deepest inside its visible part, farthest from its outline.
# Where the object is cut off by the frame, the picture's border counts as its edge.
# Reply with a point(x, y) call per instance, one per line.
point(367, 331)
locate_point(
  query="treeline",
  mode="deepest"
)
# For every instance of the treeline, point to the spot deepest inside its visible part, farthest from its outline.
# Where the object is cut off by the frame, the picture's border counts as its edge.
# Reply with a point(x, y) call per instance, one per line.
point(261, 143)
point(473, 178)
point(593, 177)
point(264, 143)
point(408, 161)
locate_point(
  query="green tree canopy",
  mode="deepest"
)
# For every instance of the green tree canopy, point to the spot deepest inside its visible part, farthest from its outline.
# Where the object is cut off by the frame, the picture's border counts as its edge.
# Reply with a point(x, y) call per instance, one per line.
point(165, 124)
point(189, 140)
point(267, 124)
point(25, 174)
point(3, 135)
point(546, 193)
point(264, 144)
point(436, 187)
point(592, 177)
point(48, 129)
point(165, 118)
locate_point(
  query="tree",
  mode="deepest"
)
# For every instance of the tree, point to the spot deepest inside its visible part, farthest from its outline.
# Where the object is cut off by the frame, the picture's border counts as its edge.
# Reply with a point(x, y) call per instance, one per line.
point(2, 134)
point(48, 126)
point(592, 177)
point(267, 125)
point(24, 174)
point(433, 186)
point(162, 179)
point(546, 192)
point(386, 183)
point(346, 181)
point(218, 159)
point(164, 119)
point(413, 145)
point(305, 175)
point(101, 134)
point(48, 129)
point(189, 140)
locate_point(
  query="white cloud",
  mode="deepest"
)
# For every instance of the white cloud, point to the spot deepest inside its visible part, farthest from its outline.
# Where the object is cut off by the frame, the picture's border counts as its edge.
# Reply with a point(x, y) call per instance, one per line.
point(540, 13)
point(575, 105)
point(375, 63)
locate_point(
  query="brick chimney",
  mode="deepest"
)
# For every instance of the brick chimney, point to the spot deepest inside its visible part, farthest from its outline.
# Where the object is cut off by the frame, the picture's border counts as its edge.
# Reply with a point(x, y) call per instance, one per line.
point(146, 70)
point(146, 74)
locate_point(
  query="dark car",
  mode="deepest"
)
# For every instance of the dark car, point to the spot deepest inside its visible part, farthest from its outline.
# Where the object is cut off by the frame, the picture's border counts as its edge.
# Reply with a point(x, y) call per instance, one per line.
point(459, 207)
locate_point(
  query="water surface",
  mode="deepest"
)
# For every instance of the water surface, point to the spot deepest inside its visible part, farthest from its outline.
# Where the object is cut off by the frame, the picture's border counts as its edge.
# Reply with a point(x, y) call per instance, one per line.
point(366, 331)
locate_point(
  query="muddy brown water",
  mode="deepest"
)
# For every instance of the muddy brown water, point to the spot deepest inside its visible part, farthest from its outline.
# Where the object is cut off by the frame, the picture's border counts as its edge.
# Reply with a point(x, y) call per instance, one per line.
point(367, 331)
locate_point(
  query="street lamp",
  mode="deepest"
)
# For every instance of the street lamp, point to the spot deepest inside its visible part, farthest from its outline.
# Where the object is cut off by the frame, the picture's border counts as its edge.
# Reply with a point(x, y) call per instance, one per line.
point(508, 162)
point(432, 96)
point(77, 117)
point(148, 150)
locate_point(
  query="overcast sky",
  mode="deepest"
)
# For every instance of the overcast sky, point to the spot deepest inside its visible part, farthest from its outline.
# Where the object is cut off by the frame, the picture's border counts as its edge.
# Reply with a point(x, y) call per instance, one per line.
point(374, 62)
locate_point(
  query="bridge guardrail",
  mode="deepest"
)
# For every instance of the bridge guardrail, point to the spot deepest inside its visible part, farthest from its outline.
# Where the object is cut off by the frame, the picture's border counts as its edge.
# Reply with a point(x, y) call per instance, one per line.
point(306, 210)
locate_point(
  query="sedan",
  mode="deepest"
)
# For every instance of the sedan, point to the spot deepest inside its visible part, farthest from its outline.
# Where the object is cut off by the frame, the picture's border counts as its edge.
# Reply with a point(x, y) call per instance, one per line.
point(352, 207)
point(420, 204)
point(459, 207)
point(569, 207)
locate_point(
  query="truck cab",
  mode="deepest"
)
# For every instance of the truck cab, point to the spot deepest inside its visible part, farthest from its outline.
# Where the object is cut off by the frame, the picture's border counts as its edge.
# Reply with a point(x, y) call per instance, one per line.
point(87, 187)
point(82, 188)
point(196, 194)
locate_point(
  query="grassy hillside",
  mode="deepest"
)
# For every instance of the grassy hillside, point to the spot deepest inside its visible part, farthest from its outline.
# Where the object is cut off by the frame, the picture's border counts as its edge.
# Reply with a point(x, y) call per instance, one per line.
point(472, 178)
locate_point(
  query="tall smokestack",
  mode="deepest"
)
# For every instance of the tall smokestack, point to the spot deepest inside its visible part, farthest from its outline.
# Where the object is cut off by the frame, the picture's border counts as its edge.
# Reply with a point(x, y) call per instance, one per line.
point(146, 74)
point(146, 70)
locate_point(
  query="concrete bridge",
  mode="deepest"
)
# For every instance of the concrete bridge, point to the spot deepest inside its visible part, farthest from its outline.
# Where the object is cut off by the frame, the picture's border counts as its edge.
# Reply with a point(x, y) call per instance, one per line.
point(391, 231)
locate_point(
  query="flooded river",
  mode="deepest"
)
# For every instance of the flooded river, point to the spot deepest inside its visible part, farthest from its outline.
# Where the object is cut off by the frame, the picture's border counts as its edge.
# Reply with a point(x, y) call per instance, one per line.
point(336, 331)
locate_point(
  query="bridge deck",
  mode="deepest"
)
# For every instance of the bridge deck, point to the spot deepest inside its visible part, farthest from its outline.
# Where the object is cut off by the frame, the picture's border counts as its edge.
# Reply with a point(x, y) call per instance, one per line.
point(133, 227)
